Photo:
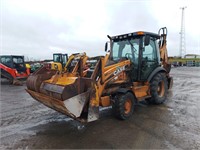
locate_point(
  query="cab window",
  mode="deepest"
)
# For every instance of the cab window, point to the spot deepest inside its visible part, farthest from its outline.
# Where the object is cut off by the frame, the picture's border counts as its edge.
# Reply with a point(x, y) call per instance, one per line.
point(149, 52)
point(128, 49)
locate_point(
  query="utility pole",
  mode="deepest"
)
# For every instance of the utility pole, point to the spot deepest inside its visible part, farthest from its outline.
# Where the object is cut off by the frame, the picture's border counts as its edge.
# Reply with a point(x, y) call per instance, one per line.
point(182, 34)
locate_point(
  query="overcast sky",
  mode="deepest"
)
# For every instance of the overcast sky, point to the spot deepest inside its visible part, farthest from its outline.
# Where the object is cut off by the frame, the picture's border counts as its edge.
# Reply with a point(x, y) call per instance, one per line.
point(39, 28)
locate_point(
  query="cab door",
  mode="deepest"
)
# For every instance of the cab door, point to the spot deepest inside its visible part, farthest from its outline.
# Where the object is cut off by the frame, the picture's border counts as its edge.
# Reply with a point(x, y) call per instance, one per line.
point(149, 59)
point(64, 59)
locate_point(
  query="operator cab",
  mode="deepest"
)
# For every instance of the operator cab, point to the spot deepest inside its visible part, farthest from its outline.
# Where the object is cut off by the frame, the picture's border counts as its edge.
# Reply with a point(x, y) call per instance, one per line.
point(60, 58)
point(14, 62)
point(141, 48)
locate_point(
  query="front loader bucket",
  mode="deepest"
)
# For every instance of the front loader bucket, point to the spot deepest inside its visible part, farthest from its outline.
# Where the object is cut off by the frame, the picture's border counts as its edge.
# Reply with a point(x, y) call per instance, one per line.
point(71, 107)
point(73, 94)
point(72, 86)
point(35, 80)
point(72, 99)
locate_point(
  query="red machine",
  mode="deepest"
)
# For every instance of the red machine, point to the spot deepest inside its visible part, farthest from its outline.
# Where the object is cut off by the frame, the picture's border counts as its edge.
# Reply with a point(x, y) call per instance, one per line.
point(13, 68)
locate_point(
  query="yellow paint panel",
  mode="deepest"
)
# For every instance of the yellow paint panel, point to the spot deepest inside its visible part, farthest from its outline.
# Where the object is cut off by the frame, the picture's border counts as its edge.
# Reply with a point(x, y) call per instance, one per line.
point(105, 101)
point(61, 79)
point(56, 66)
point(141, 91)
point(66, 81)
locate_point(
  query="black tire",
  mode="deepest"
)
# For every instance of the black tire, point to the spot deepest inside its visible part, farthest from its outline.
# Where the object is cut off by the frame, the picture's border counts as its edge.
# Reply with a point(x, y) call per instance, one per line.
point(158, 89)
point(123, 106)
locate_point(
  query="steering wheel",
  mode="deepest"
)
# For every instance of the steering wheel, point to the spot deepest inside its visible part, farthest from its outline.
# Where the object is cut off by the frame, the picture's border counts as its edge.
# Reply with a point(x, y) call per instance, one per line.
point(129, 56)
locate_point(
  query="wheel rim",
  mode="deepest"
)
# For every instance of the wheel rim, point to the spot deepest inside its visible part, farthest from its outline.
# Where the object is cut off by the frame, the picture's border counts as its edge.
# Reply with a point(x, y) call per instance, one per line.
point(161, 89)
point(127, 106)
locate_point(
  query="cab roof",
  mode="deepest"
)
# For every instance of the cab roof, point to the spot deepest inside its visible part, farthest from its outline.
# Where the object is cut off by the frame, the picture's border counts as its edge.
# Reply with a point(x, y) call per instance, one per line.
point(11, 56)
point(133, 34)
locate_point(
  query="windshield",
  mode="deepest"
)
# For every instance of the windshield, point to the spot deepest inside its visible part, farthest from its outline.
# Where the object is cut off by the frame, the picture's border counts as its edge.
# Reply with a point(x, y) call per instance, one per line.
point(18, 60)
point(18, 63)
point(57, 58)
point(64, 57)
point(128, 48)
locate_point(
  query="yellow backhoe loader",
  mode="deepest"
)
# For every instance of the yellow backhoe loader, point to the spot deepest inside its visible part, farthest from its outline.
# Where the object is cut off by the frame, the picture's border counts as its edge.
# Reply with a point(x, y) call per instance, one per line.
point(48, 73)
point(135, 68)
point(59, 61)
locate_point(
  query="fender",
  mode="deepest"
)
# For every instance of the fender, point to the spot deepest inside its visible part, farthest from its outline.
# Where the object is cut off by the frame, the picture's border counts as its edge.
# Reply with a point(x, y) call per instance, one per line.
point(158, 69)
point(124, 91)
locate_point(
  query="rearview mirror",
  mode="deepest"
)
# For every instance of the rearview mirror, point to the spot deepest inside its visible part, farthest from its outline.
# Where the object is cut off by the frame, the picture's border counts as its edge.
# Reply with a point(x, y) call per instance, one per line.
point(106, 47)
point(146, 40)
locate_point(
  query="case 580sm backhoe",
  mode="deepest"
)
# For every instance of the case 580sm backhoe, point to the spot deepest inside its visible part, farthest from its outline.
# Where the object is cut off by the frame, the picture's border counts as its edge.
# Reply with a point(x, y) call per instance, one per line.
point(135, 68)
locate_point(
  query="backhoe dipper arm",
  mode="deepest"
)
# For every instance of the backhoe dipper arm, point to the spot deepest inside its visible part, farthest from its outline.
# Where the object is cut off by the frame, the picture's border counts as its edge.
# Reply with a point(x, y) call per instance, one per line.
point(163, 48)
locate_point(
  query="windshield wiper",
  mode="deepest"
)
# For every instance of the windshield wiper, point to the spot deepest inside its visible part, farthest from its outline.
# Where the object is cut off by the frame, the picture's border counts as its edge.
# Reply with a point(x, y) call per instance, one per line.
point(132, 47)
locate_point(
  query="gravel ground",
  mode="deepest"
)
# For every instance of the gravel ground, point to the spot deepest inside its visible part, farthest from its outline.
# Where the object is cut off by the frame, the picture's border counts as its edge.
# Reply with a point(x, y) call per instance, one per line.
point(27, 124)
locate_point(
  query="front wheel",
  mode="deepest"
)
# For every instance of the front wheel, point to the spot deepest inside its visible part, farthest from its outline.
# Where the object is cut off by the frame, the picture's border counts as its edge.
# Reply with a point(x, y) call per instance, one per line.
point(123, 106)
point(158, 89)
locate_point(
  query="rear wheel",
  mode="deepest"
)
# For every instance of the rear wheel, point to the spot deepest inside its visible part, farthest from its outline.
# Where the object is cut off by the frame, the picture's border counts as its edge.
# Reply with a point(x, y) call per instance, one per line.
point(158, 89)
point(124, 106)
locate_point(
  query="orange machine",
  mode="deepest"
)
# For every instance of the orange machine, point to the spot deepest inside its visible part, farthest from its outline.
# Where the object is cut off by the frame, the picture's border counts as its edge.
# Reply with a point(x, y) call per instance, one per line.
point(133, 69)
point(13, 68)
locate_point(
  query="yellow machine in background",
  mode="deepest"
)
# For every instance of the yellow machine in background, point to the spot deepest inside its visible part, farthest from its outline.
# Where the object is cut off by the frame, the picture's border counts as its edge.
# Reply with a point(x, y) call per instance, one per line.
point(59, 61)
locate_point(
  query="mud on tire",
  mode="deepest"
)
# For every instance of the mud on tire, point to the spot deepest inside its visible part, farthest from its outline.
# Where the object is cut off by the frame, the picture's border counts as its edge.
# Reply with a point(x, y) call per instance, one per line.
point(123, 106)
point(158, 89)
